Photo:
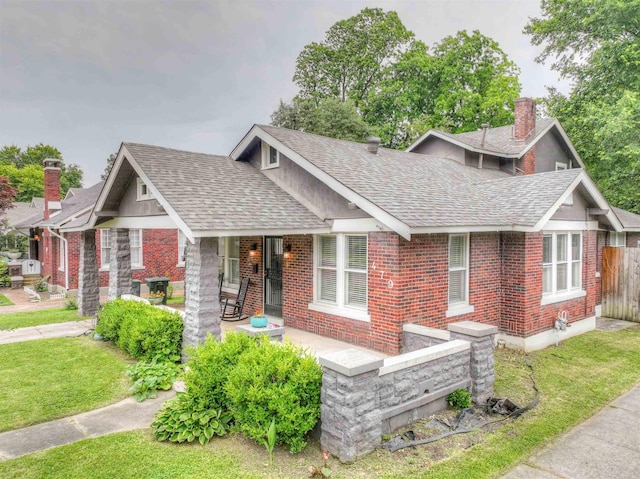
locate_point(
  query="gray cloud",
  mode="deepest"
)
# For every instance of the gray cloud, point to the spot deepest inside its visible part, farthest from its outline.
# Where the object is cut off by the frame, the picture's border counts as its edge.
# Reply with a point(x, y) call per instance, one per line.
point(85, 75)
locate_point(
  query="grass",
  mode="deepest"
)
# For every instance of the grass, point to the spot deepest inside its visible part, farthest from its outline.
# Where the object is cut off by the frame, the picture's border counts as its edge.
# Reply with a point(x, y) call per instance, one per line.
point(575, 381)
point(37, 318)
point(175, 300)
point(4, 301)
point(53, 378)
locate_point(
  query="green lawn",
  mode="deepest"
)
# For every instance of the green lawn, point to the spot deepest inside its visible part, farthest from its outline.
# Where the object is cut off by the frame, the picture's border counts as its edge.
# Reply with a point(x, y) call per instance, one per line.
point(575, 380)
point(36, 318)
point(53, 378)
point(4, 301)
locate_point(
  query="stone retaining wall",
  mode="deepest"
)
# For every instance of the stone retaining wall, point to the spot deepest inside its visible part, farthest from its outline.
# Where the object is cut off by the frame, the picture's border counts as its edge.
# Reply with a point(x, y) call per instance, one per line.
point(364, 397)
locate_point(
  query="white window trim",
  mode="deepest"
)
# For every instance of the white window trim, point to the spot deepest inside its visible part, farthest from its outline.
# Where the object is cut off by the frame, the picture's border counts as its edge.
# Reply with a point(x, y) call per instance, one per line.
point(134, 266)
point(142, 196)
point(182, 241)
point(561, 166)
point(266, 150)
point(617, 236)
point(226, 264)
point(61, 254)
point(459, 307)
point(571, 292)
point(338, 308)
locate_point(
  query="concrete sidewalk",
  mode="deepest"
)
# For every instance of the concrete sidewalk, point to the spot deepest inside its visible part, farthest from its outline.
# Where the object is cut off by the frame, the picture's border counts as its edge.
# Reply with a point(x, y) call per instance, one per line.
point(126, 415)
point(605, 446)
point(69, 329)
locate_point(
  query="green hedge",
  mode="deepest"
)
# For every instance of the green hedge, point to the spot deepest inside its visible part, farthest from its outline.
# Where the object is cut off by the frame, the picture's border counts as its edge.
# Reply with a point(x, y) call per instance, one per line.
point(141, 330)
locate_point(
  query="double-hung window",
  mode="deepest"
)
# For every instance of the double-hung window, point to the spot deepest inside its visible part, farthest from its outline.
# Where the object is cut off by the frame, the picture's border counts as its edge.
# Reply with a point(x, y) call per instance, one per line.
point(561, 263)
point(182, 248)
point(229, 254)
point(459, 275)
point(61, 255)
point(341, 275)
point(135, 247)
point(105, 247)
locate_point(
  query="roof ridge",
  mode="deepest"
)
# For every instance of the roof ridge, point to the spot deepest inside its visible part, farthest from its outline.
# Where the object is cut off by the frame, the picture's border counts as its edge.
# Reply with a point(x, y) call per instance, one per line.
point(167, 148)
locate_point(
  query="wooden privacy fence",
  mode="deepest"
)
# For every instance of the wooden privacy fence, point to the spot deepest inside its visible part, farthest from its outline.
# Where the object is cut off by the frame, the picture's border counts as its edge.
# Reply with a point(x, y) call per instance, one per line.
point(621, 283)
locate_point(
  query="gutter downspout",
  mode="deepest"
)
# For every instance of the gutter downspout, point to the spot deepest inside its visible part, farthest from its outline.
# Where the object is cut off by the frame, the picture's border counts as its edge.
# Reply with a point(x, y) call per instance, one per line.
point(66, 257)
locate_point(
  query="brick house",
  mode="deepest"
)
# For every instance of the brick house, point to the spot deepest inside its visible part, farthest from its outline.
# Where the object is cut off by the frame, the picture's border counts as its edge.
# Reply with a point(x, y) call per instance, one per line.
point(351, 241)
point(55, 233)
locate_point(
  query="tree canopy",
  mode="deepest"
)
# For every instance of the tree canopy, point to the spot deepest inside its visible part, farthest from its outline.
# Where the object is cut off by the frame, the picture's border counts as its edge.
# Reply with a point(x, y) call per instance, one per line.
point(372, 63)
point(24, 170)
point(7, 194)
point(596, 45)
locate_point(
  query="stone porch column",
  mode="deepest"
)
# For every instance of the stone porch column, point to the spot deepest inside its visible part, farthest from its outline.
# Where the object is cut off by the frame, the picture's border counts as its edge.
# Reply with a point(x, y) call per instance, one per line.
point(88, 280)
point(119, 263)
point(202, 304)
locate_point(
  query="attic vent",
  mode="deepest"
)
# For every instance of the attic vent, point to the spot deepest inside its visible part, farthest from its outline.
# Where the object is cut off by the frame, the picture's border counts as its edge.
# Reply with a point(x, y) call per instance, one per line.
point(372, 144)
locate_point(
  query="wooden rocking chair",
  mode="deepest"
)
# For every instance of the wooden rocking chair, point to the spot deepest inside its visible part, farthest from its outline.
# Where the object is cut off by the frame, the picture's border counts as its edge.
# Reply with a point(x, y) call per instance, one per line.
point(231, 308)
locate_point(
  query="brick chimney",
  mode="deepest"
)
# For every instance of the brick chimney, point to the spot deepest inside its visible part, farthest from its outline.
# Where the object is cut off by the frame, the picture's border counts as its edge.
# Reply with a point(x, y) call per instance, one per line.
point(51, 186)
point(525, 124)
point(525, 117)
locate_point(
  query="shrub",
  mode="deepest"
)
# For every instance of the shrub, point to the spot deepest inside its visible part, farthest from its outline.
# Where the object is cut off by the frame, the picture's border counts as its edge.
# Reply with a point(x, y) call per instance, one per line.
point(150, 377)
point(209, 367)
point(5, 279)
point(275, 381)
point(151, 334)
point(71, 304)
point(143, 331)
point(183, 419)
point(459, 399)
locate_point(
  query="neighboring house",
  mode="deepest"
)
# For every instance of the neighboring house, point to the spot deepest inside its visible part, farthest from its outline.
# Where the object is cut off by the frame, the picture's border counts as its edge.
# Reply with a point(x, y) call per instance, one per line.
point(630, 237)
point(16, 214)
point(352, 241)
point(54, 238)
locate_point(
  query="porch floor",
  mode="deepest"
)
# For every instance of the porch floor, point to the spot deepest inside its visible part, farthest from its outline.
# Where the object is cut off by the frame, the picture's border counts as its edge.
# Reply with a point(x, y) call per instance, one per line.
point(317, 345)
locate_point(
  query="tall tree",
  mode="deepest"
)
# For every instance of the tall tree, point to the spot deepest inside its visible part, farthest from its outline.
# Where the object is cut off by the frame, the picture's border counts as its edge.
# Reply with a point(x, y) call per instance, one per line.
point(330, 117)
point(7, 194)
point(351, 60)
point(466, 81)
point(24, 170)
point(596, 45)
point(107, 169)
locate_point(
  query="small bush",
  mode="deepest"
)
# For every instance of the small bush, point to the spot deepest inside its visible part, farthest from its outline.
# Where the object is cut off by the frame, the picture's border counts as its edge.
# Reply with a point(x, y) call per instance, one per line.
point(150, 377)
point(210, 365)
point(143, 331)
point(112, 314)
point(183, 419)
point(459, 399)
point(276, 381)
point(71, 305)
point(42, 285)
point(155, 334)
point(5, 279)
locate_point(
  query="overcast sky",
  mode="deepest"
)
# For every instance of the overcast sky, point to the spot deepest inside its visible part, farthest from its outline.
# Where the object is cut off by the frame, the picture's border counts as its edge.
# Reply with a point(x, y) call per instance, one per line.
point(84, 76)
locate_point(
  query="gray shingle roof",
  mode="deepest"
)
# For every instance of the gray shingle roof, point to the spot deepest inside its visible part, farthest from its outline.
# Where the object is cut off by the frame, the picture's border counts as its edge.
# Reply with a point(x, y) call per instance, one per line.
point(19, 212)
point(212, 193)
point(627, 218)
point(499, 140)
point(83, 198)
point(425, 191)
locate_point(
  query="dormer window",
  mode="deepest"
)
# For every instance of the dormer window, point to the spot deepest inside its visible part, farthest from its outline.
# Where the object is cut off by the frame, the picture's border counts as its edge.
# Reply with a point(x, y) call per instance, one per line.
point(270, 156)
point(143, 191)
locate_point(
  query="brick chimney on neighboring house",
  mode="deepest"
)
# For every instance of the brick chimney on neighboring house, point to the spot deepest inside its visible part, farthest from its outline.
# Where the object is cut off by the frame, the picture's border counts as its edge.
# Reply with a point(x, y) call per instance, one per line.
point(524, 127)
point(51, 186)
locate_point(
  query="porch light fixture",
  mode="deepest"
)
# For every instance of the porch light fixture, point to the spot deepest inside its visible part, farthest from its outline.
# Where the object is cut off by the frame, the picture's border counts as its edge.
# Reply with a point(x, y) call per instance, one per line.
point(36, 237)
point(287, 255)
point(254, 256)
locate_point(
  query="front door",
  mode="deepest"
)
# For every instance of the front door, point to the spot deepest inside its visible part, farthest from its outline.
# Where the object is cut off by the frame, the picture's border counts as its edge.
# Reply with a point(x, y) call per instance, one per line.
point(273, 276)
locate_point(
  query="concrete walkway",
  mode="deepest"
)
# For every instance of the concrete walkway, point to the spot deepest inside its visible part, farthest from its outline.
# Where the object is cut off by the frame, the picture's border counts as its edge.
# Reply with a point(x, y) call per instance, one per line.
point(126, 415)
point(605, 446)
point(70, 329)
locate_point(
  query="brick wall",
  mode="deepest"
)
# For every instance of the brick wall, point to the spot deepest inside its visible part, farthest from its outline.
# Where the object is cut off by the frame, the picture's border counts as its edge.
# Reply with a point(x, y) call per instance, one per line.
point(632, 240)
point(527, 164)
point(408, 283)
point(255, 294)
